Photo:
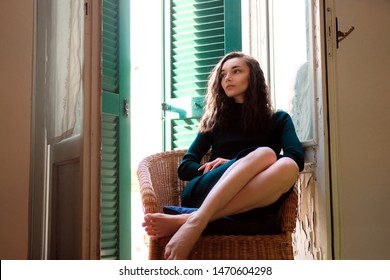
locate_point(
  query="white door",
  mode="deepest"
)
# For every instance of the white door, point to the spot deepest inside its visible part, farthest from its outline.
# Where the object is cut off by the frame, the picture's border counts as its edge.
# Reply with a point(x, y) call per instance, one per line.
point(359, 103)
point(65, 220)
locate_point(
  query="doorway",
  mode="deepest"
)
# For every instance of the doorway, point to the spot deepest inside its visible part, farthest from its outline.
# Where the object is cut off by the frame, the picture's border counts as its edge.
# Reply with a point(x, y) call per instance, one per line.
point(146, 93)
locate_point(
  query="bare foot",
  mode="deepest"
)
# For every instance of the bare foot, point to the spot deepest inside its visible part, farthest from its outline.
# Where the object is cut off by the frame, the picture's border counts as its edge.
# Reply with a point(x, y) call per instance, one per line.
point(160, 225)
point(182, 242)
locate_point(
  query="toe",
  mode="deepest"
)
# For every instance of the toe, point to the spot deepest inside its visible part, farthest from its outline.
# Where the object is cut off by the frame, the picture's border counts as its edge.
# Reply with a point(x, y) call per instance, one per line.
point(167, 254)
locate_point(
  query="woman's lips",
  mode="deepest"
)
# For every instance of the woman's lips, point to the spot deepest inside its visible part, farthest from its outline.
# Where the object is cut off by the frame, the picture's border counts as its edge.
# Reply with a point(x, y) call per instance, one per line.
point(229, 87)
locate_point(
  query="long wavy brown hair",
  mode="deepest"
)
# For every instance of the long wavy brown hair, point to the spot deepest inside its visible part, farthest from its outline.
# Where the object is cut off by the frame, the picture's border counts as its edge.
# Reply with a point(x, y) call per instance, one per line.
point(257, 107)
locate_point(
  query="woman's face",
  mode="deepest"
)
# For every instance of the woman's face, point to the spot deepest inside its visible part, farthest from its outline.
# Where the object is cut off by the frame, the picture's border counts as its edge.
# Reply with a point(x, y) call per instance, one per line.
point(235, 78)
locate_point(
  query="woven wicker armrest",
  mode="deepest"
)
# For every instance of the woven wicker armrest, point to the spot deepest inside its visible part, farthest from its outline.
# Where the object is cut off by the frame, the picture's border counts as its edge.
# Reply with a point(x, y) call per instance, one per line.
point(159, 183)
point(148, 195)
point(289, 211)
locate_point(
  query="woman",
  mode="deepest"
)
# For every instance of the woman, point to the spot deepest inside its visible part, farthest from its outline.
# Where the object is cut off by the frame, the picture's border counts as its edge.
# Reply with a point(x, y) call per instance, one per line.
point(247, 168)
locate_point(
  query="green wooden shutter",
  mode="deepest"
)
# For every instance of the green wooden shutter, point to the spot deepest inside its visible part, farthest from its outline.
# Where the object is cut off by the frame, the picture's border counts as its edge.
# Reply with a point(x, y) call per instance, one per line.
point(201, 32)
point(115, 180)
point(109, 189)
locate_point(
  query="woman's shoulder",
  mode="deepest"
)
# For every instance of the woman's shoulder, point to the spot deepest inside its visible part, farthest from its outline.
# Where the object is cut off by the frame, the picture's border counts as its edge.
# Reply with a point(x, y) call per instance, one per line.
point(280, 115)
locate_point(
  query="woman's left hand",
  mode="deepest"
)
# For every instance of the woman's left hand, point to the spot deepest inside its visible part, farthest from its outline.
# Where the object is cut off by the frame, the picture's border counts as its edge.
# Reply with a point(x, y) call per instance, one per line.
point(212, 164)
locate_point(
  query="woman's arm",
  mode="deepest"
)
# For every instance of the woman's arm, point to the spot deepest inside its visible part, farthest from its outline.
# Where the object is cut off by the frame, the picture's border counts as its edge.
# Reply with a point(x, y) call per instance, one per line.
point(189, 167)
point(290, 143)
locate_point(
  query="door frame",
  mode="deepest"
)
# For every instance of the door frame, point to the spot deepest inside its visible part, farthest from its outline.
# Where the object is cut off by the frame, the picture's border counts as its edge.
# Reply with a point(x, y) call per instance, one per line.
point(91, 158)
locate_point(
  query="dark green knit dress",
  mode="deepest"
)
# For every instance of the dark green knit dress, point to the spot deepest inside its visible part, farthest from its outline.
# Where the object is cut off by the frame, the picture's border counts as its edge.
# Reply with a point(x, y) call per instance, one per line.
point(234, 143)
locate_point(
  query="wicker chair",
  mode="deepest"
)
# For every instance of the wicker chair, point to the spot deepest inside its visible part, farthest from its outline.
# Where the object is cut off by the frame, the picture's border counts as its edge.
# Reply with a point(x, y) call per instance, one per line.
point(160, 186)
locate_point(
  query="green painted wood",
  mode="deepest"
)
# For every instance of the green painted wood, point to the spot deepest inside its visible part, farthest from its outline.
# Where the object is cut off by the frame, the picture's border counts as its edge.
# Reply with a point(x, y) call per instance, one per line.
point(110, 103)
point(201, 33)
point(197, 43)
point(109, 188)
point(115, 164)
point(233, 32)
point(124, 132)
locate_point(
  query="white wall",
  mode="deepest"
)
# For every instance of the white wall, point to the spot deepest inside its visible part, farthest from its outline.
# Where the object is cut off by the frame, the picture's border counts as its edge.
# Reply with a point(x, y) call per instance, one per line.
point(16, 56)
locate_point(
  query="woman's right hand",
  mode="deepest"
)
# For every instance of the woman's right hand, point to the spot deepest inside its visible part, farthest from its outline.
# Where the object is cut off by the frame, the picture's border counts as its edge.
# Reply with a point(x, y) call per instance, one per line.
point(212, 164)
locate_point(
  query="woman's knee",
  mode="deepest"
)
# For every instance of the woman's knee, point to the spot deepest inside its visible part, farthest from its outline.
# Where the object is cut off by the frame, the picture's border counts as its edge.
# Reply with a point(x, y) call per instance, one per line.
point(265, 154)
point(288, 169)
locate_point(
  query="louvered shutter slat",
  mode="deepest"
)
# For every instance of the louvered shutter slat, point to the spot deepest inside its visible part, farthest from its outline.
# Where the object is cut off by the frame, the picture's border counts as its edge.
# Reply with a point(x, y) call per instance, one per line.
point(109, 188)
point(194, 26)
point(197, 44)
point(110, 124)
point(110, 77)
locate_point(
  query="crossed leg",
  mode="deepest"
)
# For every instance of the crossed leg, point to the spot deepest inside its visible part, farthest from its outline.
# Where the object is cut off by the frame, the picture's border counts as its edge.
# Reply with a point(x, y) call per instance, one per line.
point(256, 180)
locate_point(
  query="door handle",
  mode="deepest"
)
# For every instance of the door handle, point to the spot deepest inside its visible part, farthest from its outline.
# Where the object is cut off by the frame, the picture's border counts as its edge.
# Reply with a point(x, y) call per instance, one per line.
point(167, 107)
point(342, 35)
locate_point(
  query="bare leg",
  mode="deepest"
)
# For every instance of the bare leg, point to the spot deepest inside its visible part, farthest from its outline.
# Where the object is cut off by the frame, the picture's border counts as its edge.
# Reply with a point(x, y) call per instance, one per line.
point(160, 225)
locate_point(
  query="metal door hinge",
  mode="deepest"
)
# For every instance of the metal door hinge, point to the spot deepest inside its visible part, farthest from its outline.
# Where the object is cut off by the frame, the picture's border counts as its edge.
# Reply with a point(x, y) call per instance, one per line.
point(329, 31)
point(165, 106)
point(86, 9)
point(126, 107)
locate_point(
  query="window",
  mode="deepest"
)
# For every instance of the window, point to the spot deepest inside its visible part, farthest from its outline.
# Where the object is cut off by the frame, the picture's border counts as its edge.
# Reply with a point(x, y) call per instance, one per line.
point(285, 53)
